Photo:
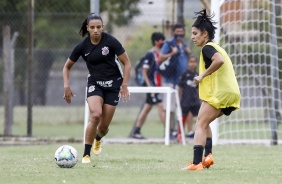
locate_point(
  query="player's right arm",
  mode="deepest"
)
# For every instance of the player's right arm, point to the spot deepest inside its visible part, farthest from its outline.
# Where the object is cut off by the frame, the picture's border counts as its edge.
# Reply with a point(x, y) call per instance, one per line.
point(167, 51)
point(66, 70)
point(76, 53)
point(145, 76)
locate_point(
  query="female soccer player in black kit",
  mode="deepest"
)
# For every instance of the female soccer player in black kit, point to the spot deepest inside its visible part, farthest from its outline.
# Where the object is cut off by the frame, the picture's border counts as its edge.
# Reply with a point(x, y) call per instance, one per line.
point(106, 82)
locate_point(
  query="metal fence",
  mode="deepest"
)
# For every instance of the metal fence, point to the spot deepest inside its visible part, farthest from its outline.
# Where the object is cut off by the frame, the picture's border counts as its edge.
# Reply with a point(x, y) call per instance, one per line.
point(55, 32)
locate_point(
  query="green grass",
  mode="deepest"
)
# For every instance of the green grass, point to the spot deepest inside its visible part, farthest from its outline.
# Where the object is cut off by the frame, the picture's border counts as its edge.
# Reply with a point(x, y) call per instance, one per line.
point(152, 164)
point(68, 122)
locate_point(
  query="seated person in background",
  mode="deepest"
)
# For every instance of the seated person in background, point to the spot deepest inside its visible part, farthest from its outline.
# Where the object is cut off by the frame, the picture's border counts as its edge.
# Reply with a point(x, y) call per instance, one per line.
point(149, 73)
point(189, 97)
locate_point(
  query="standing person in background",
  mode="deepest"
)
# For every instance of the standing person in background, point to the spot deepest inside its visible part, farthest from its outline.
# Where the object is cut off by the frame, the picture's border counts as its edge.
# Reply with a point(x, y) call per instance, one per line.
point(150, 79)
point(189, 97)
point(174, 56)
point(218, 89)
point(106, 83)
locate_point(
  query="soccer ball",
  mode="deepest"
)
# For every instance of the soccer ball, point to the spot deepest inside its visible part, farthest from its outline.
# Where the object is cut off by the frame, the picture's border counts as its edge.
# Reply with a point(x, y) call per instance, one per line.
point(66, 156)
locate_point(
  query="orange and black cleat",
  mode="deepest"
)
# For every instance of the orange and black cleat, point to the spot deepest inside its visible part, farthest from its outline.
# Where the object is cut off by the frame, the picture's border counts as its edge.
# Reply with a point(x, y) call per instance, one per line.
point(194, 167)
point(208, 161)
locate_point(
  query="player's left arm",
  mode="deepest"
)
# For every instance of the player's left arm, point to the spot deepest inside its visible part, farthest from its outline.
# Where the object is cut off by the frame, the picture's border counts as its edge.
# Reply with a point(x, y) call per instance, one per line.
point(124, 93)
point(217, 61)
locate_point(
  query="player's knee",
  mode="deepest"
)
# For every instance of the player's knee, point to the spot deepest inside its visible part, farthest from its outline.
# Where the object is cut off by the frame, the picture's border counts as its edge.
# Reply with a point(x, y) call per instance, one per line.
point(95, 117)
point(202, 125)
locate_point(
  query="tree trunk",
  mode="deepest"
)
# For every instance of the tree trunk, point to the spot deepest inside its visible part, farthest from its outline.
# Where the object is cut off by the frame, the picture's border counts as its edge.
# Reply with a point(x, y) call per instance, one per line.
point(44, 60)
point(9, 60)
point(180, 10)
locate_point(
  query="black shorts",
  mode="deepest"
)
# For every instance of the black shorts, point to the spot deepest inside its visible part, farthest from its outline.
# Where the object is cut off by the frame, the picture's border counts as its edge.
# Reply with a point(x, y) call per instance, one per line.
point(227, 111)
point(194, 109)
point(108, 90)
point(153, 98)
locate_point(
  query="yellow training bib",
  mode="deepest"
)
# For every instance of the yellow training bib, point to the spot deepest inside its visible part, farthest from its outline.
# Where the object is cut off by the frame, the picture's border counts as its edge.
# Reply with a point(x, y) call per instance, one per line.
point(220, 89)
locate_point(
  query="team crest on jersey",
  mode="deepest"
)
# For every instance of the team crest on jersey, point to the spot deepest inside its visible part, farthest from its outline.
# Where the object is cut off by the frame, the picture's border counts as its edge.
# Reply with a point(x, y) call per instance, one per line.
point(105, 51)
point(91, 89)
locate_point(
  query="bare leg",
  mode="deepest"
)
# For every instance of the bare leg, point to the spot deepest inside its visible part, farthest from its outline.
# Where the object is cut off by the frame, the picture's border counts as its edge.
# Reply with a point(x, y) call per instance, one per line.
point(209, 132)
point(189, 121)
point(107, 116)
point(143, 115)
point(206, 115)
point(95, 104)
point(161, 112)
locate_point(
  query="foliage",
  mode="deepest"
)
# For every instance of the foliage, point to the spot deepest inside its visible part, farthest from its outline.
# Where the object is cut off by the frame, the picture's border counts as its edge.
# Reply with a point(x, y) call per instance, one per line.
point(140, 42)
point(55, 25)
point(120, 12)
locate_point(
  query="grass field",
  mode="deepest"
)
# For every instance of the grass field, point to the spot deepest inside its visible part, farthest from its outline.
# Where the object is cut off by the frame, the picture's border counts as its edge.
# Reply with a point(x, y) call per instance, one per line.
point(151, 164)
point(120, 163)
point(68, 122)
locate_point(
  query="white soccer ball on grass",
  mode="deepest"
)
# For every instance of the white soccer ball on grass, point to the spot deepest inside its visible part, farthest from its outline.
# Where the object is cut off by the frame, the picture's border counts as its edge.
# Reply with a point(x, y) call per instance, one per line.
point(66, 156)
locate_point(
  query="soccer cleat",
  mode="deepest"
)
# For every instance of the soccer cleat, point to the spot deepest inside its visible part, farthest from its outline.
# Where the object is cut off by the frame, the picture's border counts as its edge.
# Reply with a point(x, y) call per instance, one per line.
point(138, 136)
point(190, 135)
point(208, 161)
point(194, 167)
point(86, 159)
point(179, 138)
point(97, 147)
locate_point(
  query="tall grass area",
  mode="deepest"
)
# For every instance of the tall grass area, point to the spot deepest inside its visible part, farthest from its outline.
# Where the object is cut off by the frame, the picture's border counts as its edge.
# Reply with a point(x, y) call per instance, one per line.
point(68, 122)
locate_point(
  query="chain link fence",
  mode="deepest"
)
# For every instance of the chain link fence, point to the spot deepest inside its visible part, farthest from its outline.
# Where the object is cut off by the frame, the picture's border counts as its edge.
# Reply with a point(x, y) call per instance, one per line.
point(56, 32)
point(56, 27)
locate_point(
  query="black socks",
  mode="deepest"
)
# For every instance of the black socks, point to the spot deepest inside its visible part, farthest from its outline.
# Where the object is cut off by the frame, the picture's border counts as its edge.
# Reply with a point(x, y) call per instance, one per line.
point(208, 147)
point(98, 138)
point(87, 149)
point(136, 130)
point(199, 149)
point(198, 154)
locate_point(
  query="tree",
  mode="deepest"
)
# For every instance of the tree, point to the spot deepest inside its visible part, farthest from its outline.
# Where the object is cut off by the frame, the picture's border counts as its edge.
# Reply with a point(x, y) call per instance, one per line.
point(56, 23)
point(119, 12)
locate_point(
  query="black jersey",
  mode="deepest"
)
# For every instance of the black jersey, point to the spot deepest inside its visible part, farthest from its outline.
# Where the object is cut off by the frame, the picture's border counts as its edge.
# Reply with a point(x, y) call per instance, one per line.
point(208, 51)
point(101, 59)
point(190, 96)
point(150, 62)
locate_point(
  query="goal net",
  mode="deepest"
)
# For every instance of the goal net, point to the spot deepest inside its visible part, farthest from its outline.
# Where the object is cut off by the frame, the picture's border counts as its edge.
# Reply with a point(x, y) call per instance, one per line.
point(251, 33)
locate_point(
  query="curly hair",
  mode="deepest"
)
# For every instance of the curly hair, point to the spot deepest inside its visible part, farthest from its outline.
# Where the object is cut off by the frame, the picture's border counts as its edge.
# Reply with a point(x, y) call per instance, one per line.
point(205, 23)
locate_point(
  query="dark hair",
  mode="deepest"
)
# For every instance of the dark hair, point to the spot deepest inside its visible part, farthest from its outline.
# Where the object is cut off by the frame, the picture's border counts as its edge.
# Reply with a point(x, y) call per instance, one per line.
point(83, 30)
point(177, 26)
point(205, 23)
point(193, 56)
point(156, 36)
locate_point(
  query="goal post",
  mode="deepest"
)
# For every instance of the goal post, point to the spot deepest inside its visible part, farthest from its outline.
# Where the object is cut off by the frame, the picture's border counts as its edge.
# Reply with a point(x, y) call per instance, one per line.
point(165, 90)
point(251, 33)
point(215, 10)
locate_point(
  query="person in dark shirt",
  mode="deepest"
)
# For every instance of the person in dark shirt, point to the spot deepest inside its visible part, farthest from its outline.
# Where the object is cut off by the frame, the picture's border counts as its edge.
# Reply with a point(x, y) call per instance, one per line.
point(149, 73)
point(189, 96)
point(106, 83)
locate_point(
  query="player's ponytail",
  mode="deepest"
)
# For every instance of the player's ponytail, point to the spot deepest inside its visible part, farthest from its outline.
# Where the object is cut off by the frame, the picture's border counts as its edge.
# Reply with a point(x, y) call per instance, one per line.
point(205, 23)
point(83, 30)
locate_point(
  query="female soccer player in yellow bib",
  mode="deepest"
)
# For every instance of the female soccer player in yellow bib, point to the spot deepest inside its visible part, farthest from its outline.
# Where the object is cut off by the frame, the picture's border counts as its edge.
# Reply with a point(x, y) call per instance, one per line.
point(218, 89)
